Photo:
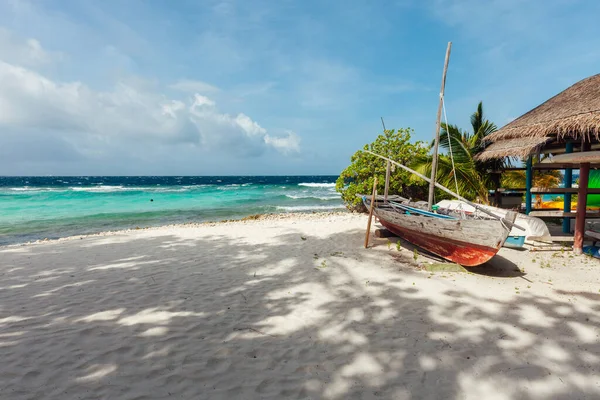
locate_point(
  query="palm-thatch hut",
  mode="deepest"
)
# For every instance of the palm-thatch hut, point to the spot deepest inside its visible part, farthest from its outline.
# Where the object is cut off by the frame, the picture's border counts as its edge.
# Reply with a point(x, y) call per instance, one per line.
point(569, 121)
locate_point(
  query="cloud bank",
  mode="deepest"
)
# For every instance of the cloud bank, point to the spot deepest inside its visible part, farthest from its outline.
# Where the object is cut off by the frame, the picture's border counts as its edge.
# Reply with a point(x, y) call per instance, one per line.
point(93, 122)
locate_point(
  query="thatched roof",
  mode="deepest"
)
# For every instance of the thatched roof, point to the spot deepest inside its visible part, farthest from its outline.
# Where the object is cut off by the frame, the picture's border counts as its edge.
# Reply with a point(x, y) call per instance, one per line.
point(512, 148)
point(573, 112)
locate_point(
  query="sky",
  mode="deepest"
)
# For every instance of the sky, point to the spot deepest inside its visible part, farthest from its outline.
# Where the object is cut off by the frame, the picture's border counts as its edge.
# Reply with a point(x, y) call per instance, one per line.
point(263, 87)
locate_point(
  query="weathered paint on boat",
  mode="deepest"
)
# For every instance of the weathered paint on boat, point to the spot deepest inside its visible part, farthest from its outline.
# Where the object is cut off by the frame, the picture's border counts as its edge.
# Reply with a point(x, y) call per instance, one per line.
point(514, 242)
point(469, 242)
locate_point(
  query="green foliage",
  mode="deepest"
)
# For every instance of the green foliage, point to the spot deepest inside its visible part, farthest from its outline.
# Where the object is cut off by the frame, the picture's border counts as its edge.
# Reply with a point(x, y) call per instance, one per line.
point(474, 178)
point(358, 177)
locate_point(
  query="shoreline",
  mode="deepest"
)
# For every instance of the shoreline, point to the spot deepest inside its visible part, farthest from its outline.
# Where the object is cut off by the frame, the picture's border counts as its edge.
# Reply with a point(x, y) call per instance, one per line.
point(243, 220)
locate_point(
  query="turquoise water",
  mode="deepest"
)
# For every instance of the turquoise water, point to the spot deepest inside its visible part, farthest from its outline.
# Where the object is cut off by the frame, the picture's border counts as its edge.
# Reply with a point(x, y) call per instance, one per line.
point(34, 208)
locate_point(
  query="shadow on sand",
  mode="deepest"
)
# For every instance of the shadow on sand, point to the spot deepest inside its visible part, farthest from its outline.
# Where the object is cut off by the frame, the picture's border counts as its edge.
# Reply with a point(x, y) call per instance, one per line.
point(212, 317)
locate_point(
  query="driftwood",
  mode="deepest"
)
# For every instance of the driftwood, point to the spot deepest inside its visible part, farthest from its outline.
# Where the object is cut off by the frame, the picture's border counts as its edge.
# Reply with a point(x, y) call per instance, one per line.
point(383, 233)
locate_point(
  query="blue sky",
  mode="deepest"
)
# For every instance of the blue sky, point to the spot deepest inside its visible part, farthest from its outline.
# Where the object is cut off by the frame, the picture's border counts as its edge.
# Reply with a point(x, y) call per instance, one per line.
point(265, 87)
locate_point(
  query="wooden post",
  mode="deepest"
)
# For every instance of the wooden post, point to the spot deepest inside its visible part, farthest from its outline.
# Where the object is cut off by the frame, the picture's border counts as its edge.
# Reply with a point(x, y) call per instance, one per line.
point(371, 213)
point(437, 130)
point(528, 183)
point(388, 171)
point(584, 175)
point(567, 183)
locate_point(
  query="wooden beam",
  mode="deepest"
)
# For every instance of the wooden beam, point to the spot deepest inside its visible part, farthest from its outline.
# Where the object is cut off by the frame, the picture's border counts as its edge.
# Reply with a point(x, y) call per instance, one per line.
point(561, 214)
point(383, 233)
point(535, 190)
point(554, 166)
point(561, 191)
point(545, 166)
point(559, 148)
point(528, 184)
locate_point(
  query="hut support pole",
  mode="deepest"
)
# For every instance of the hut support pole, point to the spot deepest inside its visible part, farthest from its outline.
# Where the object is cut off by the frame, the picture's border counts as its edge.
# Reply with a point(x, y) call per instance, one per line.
point(584, 176)
point(528, 183)
point(568, 181)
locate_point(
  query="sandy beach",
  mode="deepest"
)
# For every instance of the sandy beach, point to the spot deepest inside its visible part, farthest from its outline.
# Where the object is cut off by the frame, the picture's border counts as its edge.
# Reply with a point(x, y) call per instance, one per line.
point(291, 307)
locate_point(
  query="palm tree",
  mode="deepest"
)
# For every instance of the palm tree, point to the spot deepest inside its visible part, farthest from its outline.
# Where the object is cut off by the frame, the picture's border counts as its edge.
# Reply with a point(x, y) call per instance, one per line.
point(473, 178)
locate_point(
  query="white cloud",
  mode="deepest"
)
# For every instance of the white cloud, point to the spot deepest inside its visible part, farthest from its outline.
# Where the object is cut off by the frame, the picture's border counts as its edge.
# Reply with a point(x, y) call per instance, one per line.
point(193, 86)
point(88, 119)
point(28, 52)
point(289, 144)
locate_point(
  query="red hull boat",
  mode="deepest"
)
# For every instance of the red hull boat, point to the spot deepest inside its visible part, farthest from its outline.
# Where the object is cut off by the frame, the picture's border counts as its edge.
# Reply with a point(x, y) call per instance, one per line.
point(468, 242)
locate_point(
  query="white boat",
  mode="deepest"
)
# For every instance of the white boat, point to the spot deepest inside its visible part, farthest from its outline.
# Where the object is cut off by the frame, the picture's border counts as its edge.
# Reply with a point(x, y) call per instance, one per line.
point(534, 228)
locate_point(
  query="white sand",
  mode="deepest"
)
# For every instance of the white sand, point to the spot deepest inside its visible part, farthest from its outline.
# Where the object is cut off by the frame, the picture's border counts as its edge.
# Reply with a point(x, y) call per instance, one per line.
point(251, 310)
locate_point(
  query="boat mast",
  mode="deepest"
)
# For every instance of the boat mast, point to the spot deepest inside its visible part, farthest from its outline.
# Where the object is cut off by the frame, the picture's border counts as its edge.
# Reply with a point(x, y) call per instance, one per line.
point(437, 131)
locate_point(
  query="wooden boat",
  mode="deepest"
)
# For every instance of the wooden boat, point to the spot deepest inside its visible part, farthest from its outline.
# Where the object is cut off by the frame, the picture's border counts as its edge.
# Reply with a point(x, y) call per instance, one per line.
point(575, 158)
point(468, 242)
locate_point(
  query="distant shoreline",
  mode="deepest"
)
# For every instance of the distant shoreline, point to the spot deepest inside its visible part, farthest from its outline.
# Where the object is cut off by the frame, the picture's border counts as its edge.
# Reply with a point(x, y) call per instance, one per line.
point(303, 216)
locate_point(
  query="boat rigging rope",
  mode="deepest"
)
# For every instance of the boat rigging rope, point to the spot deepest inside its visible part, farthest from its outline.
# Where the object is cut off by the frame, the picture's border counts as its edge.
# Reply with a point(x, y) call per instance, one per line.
point(449, 143)
point(451, 154)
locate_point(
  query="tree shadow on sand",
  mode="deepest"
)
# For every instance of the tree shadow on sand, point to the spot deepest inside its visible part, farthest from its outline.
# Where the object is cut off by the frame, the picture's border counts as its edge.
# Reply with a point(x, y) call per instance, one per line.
point(215, 317)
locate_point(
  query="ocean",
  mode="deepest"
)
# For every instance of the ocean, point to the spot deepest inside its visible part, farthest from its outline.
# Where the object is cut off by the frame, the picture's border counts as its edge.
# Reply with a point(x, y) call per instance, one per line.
point(33, 208)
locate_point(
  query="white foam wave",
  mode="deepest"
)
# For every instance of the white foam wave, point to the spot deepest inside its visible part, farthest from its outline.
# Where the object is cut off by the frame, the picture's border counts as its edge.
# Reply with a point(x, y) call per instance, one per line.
point(309, 208)
point(26, 189)
point(320, 185)
point(296, 197)
point(100, 189)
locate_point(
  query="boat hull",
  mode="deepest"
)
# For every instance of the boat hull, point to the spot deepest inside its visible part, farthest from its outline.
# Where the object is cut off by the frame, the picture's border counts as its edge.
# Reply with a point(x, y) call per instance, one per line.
point(465, 242)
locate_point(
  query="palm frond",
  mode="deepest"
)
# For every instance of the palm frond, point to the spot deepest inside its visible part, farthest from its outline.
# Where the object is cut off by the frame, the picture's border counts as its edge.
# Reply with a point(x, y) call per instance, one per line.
point(477, 118)
point(460, 149)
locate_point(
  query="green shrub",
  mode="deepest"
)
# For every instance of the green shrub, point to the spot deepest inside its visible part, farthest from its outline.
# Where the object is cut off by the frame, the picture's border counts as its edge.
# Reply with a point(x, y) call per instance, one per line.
point(357, 178)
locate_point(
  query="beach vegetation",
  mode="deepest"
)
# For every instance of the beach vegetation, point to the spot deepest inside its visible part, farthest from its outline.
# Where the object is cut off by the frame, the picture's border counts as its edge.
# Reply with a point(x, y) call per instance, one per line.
point(472, 176)
point(358, 177)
